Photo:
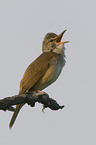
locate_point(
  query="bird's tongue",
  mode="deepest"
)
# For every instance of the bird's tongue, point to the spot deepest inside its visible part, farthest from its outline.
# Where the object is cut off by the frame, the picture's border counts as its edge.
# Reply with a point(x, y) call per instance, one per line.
point(59, 37)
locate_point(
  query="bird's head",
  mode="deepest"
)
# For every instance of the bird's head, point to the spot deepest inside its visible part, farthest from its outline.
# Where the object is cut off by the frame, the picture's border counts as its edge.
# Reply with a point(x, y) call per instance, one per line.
point(52, 43)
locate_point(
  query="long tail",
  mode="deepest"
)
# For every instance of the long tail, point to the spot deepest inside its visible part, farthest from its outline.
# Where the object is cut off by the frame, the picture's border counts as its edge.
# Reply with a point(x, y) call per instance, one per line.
point(18, 107)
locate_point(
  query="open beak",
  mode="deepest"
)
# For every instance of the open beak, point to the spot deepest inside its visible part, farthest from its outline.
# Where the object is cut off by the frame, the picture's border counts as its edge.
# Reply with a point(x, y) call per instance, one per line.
point(59, 37)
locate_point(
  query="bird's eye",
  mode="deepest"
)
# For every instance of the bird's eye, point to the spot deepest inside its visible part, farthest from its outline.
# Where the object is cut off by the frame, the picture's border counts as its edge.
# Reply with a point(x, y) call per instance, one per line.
point(51, 40)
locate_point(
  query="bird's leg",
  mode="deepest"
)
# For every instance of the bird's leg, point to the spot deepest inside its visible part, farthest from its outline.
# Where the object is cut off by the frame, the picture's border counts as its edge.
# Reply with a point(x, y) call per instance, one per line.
point(41, 92)
point(43, 109)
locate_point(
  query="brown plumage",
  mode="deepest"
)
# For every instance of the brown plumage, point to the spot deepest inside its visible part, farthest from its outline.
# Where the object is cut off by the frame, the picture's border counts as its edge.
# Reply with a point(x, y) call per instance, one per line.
point(44, 70)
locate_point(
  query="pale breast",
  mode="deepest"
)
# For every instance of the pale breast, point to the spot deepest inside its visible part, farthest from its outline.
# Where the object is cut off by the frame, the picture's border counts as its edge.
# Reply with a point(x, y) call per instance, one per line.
point(52, 73)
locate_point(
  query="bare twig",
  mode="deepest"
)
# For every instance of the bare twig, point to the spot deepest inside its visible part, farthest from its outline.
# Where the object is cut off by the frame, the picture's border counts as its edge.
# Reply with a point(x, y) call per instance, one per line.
point(29, 98)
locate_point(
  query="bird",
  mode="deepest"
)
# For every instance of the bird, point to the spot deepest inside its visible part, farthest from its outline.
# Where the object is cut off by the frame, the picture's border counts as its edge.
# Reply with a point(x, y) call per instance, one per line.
point(44, 70)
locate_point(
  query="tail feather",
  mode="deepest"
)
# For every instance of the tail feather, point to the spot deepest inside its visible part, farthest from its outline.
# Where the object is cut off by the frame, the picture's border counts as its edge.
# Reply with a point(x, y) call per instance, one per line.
point(18, 107)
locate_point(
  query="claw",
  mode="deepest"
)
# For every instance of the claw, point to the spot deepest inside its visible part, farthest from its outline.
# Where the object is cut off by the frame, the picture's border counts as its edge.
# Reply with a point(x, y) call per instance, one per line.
point(43, 109)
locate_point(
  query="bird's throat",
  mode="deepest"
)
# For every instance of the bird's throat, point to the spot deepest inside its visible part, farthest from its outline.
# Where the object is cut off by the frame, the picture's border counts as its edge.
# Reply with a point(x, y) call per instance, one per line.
point(60, 49)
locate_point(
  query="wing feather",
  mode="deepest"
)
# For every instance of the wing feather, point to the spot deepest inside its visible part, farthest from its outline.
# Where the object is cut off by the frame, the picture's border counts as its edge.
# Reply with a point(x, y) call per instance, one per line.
point(35, 71)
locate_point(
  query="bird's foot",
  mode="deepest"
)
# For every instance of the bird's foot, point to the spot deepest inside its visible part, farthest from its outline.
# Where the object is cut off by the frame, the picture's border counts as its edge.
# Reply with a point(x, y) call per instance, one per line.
point(43, 93)
point(43, 109)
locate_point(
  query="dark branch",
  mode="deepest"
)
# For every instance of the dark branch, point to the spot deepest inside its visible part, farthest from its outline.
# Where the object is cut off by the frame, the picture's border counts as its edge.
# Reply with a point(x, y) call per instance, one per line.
point(30, 99)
